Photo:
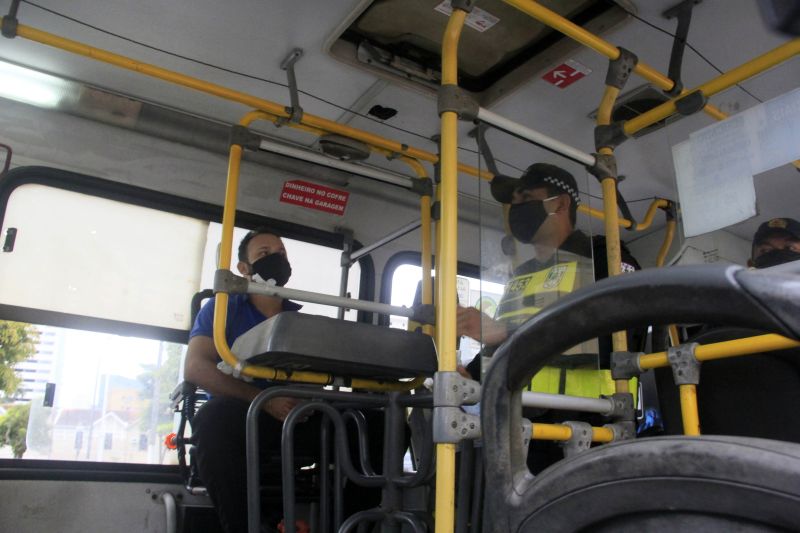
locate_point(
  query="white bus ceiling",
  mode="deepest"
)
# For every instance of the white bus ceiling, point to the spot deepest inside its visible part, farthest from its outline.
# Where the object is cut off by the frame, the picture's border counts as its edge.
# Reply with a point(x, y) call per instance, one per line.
point(256, 36)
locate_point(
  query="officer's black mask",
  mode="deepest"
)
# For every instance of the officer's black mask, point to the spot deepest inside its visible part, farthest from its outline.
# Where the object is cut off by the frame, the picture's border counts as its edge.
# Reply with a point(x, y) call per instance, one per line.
point(776, 257)
point(525, 219)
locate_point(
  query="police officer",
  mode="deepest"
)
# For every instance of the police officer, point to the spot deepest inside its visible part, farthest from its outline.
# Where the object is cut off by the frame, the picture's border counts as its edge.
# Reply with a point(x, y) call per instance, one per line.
point(776, 241)
point(542, 214)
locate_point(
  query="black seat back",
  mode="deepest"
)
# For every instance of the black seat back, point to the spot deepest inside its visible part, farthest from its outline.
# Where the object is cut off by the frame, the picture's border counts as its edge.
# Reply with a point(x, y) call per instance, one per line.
point(749, 396)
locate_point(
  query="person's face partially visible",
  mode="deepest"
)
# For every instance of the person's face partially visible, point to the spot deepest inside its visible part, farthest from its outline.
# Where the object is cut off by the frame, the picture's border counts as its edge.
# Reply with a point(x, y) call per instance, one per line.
point(776, 242)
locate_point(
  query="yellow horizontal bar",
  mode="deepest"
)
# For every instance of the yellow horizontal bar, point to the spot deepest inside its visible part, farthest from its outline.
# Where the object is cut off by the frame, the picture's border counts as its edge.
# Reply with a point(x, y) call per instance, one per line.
point(720, 350)
point(599, 45)
point(561, 432)
point(250, 101)
point(720, 83)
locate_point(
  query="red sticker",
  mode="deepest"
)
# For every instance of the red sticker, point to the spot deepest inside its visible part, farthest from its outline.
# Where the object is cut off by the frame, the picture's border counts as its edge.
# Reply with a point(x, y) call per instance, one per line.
point(566, 74)
point(313, 196)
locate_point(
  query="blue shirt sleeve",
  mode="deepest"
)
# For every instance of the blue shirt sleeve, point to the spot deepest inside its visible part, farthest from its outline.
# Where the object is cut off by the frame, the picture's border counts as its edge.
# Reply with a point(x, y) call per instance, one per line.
point(204, 323)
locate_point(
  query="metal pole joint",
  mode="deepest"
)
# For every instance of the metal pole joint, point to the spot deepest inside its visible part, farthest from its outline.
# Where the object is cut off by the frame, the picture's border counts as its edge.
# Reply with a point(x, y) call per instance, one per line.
point(454, 99)
point(243, 137)
point(609, 136)
point(684, 363)
point(691, 103)
point(605, 166)
point(619, 70)
point(228, 282)
point(625, 365)
point(580, 440)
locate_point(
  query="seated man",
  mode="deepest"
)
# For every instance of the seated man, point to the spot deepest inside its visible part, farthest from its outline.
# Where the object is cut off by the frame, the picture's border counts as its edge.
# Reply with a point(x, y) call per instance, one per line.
point(219, 426)
point(543, 213)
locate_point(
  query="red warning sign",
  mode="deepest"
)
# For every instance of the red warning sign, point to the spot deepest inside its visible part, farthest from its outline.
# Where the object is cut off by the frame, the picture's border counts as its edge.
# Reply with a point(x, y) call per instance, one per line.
point(313, 196)
point(566, 74)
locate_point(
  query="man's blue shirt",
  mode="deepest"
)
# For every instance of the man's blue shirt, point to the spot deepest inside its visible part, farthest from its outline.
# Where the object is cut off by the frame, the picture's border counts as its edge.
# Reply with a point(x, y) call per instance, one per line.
point(242, 316)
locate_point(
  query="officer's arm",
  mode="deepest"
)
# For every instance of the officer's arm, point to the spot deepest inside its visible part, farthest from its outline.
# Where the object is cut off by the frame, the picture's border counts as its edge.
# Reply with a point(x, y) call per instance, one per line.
point(479, 326)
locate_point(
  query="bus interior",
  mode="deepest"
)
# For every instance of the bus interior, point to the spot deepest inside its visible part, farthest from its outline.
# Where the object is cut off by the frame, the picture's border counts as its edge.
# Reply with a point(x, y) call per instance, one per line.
point(386, 141)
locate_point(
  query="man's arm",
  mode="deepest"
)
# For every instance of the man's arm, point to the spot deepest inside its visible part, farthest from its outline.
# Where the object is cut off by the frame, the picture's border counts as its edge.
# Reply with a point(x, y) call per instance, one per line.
point(480, 326)
point(201, 369)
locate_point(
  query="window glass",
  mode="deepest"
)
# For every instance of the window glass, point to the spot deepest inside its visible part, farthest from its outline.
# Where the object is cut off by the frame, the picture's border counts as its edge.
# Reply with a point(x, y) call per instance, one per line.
point(88, 256)
point(470, 293)
point(111, 400)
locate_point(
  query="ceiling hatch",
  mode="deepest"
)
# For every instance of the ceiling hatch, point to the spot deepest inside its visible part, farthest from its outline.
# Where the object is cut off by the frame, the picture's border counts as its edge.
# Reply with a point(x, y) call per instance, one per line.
point(500, 46)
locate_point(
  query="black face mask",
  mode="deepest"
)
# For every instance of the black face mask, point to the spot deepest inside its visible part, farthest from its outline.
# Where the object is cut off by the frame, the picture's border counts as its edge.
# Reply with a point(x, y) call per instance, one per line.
point(526, 218)
point(273, 266)
point(776, 257)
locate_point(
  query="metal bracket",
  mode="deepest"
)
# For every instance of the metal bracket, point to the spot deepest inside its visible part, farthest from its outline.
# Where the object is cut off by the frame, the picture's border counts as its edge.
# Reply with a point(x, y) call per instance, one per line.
point(10, 23)
point(684, 363)
point(244, 137)
point(451, 389)
point(295, 111)
point(683, 12)
point(422, 186)
point(605, 166)
point(436, 211)
point(622, 409)
point(671, 210)
point(619, 69)
point(526, 427)
point(625, 365)
point(609, 136)
point(581, 439)
point(424, 314)
point(479, 133)
point(227, 281)
point(622, 430)
point(464, 5)
point(452, 425)
point(691, 103)
point(454, 98)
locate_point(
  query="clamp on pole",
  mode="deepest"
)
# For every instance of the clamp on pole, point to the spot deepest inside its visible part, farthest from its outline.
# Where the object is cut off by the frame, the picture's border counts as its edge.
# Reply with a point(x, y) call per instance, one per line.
point(451, 424)
point(10, 22)
point(580, 440)
point(684, 363)
point(295, 111)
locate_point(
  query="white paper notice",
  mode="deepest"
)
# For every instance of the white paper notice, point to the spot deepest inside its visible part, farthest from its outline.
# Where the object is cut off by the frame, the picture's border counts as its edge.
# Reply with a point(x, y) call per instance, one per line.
point(715, 167)
point(710, 200)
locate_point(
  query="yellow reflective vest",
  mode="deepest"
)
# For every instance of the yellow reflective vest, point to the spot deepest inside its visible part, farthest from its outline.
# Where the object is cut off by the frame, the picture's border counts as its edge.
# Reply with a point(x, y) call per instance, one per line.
point(534, 287)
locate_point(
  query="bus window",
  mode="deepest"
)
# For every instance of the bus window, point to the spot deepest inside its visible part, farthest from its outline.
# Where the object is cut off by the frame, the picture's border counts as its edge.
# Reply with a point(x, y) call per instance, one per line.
point(108, 285)
point(470, 293)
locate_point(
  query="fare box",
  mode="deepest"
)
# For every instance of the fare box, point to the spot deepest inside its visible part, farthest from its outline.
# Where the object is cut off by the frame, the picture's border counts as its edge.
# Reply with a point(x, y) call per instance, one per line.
point(314, 196)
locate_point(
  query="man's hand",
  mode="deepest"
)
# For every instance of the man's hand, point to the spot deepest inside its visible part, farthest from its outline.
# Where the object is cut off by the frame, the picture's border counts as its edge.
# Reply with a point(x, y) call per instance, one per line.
point(479, 326)
point(279, 408)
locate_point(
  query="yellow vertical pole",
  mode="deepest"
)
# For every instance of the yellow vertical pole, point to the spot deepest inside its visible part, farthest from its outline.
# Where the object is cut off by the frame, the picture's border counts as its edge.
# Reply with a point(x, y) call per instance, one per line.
point(447, 267)
point(613, 251)
point(691, 418)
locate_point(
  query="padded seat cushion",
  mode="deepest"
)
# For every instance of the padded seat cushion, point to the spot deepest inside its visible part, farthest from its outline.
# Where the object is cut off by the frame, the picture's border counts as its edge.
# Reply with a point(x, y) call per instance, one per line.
point(296, 341)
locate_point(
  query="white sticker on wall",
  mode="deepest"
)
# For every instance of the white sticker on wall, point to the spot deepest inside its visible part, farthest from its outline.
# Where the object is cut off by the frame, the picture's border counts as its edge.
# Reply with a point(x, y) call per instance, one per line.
point(478, 19)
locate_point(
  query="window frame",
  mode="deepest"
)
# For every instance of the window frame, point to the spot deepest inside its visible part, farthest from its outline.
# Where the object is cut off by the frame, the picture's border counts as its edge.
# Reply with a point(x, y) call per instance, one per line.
point(169, 203)
point(412, 258)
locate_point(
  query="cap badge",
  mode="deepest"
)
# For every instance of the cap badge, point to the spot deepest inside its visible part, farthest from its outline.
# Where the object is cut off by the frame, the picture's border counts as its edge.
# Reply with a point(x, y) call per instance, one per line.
point(778, 223)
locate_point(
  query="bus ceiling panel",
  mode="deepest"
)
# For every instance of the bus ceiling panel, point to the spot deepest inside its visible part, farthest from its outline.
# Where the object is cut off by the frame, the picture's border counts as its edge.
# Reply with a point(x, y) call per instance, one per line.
point(251, 40)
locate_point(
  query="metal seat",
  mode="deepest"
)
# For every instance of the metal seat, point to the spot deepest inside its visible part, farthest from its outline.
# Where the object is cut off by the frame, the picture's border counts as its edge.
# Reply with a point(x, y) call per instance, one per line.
point(296, 341)
point(660, 484)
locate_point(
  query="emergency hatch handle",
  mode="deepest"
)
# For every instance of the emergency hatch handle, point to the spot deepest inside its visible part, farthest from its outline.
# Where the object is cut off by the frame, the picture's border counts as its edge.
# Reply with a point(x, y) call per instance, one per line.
point(723, 295)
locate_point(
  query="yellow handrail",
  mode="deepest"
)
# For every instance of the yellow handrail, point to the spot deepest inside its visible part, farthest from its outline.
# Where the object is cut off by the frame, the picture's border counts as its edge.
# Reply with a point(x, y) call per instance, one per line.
point(720, 83)
point(221, 305)
point(720, 350)
point(603, 47)
point(562, 432)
